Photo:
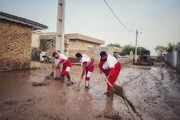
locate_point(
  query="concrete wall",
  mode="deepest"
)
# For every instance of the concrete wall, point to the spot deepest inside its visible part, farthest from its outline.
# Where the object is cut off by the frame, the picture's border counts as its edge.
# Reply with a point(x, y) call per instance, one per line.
point(173, 59)
point(15, 50)
point(178, 59)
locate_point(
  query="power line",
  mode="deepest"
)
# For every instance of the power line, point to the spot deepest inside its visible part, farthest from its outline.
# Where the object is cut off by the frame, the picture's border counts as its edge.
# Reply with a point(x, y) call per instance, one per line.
point(118, 18)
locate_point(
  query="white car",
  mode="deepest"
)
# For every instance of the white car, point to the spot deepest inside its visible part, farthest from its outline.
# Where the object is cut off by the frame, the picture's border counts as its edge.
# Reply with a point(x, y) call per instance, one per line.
point(41, 56)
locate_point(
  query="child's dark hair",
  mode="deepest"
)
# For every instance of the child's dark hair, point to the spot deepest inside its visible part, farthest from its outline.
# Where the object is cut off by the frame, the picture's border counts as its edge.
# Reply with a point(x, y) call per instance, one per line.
point(78, 55)
point(103, 53)
point(54, 53)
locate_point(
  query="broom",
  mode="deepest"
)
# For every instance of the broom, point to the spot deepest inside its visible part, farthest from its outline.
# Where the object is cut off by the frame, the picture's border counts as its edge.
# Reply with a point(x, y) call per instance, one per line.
point(118, 90)
point(49, 76)
point(42, 83)
point(77, 88)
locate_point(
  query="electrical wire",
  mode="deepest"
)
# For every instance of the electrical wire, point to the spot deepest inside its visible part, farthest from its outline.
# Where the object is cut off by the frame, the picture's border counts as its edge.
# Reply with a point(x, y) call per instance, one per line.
point(118, 18)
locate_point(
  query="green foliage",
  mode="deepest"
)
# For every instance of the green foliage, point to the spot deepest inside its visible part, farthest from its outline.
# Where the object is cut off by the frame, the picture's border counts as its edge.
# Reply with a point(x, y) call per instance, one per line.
point(160, 49)
point(127, 49)
point(140, 50)
point(171, 46)
point(44, 45)
point(115, 45)
point(178, 44)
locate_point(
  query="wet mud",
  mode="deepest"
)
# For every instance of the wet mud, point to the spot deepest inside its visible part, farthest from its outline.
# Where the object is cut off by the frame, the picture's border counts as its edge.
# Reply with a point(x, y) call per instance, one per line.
point(149, 93)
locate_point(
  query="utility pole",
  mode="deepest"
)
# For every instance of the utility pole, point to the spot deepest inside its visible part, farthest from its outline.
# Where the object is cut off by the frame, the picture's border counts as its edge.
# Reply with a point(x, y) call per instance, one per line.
point(136, 46)
point(59, 43)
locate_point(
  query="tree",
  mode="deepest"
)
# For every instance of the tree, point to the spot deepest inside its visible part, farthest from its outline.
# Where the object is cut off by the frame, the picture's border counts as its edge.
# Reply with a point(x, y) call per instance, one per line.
point(170, 47)
point(44, 45)
point(115, 45)
point(160, 50)
point(140, 50)
point(127, 49)
point(178, 44)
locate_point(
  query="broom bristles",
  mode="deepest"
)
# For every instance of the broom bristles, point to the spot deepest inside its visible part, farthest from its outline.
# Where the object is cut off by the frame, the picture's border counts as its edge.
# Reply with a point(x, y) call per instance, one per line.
point(118, 90)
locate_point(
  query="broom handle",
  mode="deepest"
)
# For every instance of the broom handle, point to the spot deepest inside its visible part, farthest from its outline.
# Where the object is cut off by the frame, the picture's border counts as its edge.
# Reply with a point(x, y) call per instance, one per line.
point(52, 71)
point(109, 84)
point(79, 83)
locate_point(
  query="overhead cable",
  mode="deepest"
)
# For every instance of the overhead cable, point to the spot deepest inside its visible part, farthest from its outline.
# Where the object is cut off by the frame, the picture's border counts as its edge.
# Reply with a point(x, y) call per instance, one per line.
point(118, 18)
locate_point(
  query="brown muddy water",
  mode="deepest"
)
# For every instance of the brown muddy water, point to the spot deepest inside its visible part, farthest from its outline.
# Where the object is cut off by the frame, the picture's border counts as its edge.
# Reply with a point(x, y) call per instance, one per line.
point(153, 93)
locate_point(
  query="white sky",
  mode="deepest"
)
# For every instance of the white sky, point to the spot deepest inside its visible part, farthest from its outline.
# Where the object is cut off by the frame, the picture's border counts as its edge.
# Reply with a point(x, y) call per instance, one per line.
point(158, 20)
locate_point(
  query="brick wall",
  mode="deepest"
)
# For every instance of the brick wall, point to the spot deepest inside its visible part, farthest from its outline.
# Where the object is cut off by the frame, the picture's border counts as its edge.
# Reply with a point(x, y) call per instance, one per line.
point(15, 50)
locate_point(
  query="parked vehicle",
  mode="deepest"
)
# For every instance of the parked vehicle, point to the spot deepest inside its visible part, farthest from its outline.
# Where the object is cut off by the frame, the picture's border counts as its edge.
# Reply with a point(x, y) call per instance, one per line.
point(145, 59)
point(48, 59)
point(44, 57)
point(41, 56)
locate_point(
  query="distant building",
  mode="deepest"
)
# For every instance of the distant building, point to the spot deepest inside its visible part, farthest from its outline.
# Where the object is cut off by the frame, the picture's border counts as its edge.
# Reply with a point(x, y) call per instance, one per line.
point(111, 49)
point(75, 43)
point(80, 43)
point(15, 41)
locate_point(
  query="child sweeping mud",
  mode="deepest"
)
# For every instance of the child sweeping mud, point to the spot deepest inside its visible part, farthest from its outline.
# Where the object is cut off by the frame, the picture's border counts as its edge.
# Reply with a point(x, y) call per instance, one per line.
point(88, 67)
point(111, 67)
point(62, 59)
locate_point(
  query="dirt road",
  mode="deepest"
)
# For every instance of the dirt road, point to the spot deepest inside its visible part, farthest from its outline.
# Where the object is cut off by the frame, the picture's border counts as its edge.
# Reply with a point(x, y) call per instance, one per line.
point(153, 91)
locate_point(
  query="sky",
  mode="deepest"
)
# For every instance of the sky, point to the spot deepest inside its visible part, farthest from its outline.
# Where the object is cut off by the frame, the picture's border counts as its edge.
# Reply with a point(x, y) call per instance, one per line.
point(157, 21)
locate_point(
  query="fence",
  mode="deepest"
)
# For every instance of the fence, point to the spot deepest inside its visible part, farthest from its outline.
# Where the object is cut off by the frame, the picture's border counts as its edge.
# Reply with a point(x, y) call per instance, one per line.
point(178, 60)
point(173, 59)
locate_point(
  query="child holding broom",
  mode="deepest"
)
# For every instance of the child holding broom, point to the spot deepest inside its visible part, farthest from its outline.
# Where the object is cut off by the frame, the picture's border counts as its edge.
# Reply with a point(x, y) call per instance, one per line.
point(111, 67)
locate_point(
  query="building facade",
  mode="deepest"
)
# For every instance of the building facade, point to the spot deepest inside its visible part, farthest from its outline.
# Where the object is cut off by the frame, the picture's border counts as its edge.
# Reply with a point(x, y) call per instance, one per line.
point(15, 40)
point(74, 43)
point(111, 49)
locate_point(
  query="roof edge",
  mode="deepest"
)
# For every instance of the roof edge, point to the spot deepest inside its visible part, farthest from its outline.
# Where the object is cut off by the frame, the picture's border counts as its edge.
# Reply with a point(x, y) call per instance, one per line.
point(21, 20)
point(84, 37)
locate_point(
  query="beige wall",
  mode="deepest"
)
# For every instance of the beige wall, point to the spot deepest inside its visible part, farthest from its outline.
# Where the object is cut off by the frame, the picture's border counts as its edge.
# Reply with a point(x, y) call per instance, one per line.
point(15, 50)
point(110, 49)
point(76, 43)
point(35, 40)
point(88, 48)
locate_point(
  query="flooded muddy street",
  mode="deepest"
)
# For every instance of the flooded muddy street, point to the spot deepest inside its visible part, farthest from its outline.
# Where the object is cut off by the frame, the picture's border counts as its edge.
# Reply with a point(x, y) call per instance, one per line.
point(154, 93)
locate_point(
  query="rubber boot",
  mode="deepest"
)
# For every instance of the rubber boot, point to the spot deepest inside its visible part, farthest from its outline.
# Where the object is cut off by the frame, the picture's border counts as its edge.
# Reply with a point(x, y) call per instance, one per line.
point(62, 78)
point(87, 84)
point(69, 80)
